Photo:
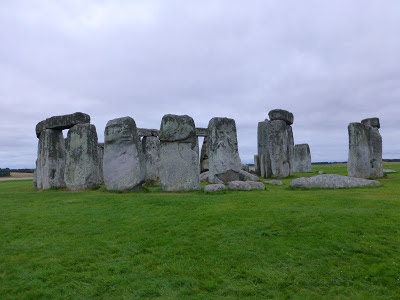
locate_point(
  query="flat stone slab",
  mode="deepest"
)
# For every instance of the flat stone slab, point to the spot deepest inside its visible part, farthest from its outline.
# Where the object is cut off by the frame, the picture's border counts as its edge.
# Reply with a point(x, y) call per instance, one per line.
point(332, 181)
point(280, 114)
point(273, 182)
point(389, 171)
point(245, 185)
point(373, 122)
point(62, 122)
point(214, 188)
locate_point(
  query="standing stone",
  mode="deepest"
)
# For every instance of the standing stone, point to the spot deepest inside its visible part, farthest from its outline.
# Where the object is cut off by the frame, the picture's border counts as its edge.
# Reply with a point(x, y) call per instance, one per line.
point(302, 159)
point(151, 150)
point(223, 153)
point(264, 158)
point(82, 161)
point(124, 164)
point(100, 150)
point(375, 144)
point(179, 154)
point(204, 164)
point(257, 165)
point(51, 160)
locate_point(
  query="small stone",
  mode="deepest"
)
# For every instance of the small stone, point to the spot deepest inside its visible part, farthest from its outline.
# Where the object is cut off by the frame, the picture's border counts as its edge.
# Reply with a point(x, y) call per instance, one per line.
point(332, 181)
point(245, 185)
point(273, 182)
point(280, 114)
point(321, 172)
point(389, 171)
point(214, 188)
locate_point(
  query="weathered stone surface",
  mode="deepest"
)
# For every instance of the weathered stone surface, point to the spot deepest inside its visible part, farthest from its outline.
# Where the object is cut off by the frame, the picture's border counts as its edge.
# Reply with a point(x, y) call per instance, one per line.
point(100, 150)
point(179, 154)
point(50, 165)
point(332, 181)
point(201, 131)
point(151, 149)
point(389, 171)
point(257, 165)
point(246, 176)
point(62, 122)
point(82, 159)
point(302, 159)
point(264, 159)
point(223, 154)
point(176, 128)
point(204, 163)
point(273, 182)
point(204, 177)
point(245, 168)
point(280, 114)
point(124, 162)
point(375, 146)
point(147, 132)
point(373, 122)
point(245, 185)
point(214, 188)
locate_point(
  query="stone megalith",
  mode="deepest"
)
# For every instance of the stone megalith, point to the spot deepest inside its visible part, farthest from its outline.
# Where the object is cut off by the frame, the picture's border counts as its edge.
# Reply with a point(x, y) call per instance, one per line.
point(123, 163)
point(223, 153)
point(151, 150)
point(62, 122)
point(50, 164)
point(275, 145)
point(302, 159)
point(204, 164)
point(82, 159)
point(100, 150)
point(179, 154)
point(365, 149)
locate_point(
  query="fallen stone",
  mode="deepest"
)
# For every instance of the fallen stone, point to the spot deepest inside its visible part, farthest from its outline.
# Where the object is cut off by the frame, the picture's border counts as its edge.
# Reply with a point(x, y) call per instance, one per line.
point(332, 181)
point(204, 177)
point(273, 182)
point(214, 188)
point(62, 122)
point(245, 185)
point(223, 153)
point(302, 159)
point(246, 176)
point(373, 122)
point(82, 159)
point(124, 163)
point(280, 114)
point(389, 171)
point(151, 150)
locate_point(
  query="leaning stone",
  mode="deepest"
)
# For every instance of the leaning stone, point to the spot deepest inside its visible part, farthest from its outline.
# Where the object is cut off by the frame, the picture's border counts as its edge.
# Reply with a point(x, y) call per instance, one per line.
point(51, 160)
point(246, 176)
point(332, 181)
point(245, 185)
point(280, 114)
point(204, 177)
point(214, 188)
point(223, 153)
point(302, 159)
point(179, 154)
point(373, 122)
point(389, 171)
point(273, 182)
point(359, 164)
point(204, 163)
point(82, 160)
point(63, 122)
point(124, 163)
point(151, 150)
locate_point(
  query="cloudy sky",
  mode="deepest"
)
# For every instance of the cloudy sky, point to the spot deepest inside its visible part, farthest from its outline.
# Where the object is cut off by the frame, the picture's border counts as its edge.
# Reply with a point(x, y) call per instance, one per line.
point(328, 62)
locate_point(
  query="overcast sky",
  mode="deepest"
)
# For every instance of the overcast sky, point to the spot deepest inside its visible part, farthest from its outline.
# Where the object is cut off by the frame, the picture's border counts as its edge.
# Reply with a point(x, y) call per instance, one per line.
point(328, 62)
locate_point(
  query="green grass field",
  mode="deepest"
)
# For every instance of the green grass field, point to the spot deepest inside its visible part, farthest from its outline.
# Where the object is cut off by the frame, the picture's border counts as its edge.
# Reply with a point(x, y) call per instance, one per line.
point(278, 243)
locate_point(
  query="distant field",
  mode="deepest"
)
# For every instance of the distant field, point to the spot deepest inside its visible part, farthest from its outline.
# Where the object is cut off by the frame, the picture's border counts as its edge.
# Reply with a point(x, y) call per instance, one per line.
point(278, 243)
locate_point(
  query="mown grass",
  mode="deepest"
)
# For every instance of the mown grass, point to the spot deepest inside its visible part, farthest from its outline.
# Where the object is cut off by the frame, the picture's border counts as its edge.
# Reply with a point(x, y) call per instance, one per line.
point(279, 243)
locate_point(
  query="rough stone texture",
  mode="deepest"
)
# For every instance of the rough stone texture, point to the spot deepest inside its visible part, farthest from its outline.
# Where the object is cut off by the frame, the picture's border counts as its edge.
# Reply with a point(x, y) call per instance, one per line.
point(214, 188)
point(201, 131)
point(257, 165)
point(273, 182)
point(204, 177)
point(179, 154)
point(50, 164)
point(245, 185)
point(264, 159)
point(373, 122)
point(332, 181)
point(82, 159)
point(365, 151)
point(204, 163)
point(245, 168)
point(280, 114)
point(147, 132)
point(124, 162)
point(302, 159)
point(62, 122)
point(223, 153)
point(246, 176)
point(100, 150)
point(151, 150)
point(389, 171)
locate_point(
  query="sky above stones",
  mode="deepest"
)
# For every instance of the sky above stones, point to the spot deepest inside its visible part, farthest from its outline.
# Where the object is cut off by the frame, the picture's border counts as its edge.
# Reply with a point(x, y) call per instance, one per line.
point(328, 62)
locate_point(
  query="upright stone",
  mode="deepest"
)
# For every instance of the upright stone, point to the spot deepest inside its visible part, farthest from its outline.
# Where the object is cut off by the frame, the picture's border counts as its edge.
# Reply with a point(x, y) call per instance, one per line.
point(100, 150)
point(257, 165)
point(302, 159)
point(179, 154)
point(263, 149)
point(123, 163)
point(204, 164)
point(223, 154)
point(358, 164)
point(151, 150)
point(375, 144)
point(82, 161)
point(50, 163)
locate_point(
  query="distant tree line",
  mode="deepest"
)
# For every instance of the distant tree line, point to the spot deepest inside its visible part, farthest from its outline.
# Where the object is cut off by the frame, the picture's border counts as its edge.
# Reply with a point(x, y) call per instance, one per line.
point(22, 170)
point(5, 172)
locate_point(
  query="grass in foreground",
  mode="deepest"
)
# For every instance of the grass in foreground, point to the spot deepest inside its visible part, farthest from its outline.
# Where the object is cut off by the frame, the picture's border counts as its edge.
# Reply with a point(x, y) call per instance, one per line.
point(278, 243)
